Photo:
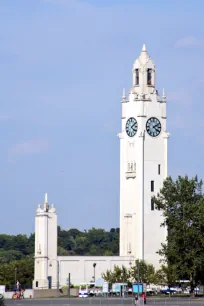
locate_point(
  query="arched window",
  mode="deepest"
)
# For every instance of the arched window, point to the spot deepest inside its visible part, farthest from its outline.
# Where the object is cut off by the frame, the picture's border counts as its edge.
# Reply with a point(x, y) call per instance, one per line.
point(149, 76)
point(137, 77)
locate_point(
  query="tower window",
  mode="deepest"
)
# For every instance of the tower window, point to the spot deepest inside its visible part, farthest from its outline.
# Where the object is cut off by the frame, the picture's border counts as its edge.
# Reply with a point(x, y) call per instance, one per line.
point(159, 169)
point(137, 77)
point(149, 76)
point(128, 167)
point(152, 185)
point(36, 284)
point(152, 204)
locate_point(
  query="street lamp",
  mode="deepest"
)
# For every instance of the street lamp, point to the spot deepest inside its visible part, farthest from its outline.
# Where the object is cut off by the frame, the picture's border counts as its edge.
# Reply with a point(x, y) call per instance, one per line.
point(57, 271)
point(94, 266)
point(15, 275)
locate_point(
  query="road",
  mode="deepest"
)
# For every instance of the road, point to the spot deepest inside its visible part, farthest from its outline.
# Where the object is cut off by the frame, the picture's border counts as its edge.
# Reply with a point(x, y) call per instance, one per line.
point(106, 302)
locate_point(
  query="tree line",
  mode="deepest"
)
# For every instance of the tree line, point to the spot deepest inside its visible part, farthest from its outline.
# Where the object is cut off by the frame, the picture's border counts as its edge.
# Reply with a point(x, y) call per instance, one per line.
point(17, 252)
point(180, 201)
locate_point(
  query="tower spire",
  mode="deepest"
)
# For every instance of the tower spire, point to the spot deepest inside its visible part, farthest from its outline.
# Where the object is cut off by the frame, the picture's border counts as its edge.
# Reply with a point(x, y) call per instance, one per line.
point(124, 95)
point(144, 48)
point(144, 73)
point(163, 95)
point(46, 205)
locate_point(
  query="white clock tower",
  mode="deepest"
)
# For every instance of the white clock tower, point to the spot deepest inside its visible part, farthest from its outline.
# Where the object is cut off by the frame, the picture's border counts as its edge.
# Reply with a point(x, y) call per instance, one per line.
point(143, 163)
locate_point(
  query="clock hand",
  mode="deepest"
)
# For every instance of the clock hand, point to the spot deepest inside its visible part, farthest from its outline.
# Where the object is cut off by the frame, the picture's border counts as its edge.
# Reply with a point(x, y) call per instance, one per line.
point(132, 127)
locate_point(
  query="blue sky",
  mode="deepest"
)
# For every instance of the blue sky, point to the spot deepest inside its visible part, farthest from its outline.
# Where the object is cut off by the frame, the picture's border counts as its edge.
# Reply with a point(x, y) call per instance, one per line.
point(63, 64)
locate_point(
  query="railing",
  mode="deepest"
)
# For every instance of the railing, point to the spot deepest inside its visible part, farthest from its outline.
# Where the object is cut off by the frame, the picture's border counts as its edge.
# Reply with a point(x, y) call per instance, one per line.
point(14, 288)
point(52, 285)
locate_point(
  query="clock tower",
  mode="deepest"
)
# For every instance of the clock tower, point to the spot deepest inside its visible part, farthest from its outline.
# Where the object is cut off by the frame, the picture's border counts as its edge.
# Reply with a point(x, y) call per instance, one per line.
point(143, 163)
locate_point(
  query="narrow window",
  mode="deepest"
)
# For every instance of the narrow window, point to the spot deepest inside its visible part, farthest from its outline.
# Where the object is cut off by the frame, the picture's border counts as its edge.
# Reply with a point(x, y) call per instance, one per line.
point(131, 169)
point(128, 167)
point(152, 185)
point(152, 204)
point(159, 169)
point(149, 76)
point(135, 166)
point(137, 77)
point(36, 284)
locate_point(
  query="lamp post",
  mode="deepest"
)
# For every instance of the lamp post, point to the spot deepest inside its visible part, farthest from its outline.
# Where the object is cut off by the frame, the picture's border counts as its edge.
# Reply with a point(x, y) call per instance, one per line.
point(15, 275)
point(138, 276)
point(57, 275)
point(57, 271)
point(94, 266)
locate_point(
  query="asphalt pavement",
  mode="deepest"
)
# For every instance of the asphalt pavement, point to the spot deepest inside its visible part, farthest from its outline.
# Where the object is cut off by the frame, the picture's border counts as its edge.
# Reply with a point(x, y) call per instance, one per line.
point(106, 302)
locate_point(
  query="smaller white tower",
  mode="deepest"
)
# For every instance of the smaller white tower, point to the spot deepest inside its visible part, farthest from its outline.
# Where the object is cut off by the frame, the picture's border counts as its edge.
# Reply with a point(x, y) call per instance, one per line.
point(45, 270)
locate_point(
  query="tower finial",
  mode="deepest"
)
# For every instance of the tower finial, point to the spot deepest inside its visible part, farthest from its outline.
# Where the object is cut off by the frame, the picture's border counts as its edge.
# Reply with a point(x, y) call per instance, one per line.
point(46, 205)
point(144, 48)
point(124, 95)
point(163, 95)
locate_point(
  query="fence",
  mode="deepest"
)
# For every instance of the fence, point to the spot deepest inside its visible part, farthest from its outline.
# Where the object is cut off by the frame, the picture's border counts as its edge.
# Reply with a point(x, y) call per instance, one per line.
point(103, 301)
point(14, 288)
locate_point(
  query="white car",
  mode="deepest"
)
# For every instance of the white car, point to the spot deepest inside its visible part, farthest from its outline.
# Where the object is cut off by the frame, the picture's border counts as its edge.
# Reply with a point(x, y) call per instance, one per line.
point(83, 294)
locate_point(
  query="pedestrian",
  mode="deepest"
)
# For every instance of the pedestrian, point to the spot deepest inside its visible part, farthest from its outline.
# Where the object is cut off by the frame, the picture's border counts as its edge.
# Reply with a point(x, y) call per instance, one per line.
point(136, 300)
point(144, 297)
point(17, 285)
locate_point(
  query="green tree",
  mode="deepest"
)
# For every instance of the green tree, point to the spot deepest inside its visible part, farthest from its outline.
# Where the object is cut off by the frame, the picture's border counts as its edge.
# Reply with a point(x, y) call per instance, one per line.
point(62, 252)
point(123, 274)
point(166, 275)
point(91, 242)
point(24, 272)
point(117, 275)
point(108, 253)
point(19, 250)
point(182, 205)
point(147, 272)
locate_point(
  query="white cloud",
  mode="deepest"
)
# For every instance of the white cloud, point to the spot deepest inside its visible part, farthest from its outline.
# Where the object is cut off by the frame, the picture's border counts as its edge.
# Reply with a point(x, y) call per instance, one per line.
point(189, 41)
point(30, 147)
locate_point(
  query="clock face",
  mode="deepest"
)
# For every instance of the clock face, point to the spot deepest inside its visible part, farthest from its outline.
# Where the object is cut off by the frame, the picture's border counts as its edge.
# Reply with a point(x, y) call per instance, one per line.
point(153, 127)
point(131, 127)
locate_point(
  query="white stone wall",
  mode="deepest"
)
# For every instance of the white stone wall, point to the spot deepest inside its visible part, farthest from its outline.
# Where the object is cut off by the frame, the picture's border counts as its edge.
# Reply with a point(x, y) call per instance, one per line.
point(81, 267)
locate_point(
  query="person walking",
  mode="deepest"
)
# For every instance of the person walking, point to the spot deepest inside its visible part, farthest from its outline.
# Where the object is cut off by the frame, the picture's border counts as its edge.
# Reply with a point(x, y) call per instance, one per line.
point(144, 297)
point(136, 300)
point(18, 285)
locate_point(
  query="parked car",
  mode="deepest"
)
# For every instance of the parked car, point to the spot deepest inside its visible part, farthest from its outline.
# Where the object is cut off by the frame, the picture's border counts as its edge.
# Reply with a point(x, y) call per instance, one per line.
point(83, 294)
